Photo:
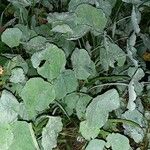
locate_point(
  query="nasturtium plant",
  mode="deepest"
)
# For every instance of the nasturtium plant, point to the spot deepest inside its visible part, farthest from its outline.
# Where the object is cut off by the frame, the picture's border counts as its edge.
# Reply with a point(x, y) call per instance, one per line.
point(74, 75)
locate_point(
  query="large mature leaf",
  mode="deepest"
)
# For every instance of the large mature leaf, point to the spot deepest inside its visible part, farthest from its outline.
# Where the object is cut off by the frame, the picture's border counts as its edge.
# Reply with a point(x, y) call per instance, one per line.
point(98, 110)
point(117, 142)
point(9, 107)
point(49, 62)
point(91, 16)
point(95, 145)
point(134, 132)
point(82, 64)
point(88, 132)
point(6, 137)
point(37, 94)
point(110, 54)
point(23, 137)
point(50, 133)
point(65, 83)
point(12, 37)
point(17, 75)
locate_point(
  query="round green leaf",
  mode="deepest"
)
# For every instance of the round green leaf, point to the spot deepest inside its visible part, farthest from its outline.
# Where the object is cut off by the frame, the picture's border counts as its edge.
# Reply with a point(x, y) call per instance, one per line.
point(12, 37)
point(49, 62)
point(37, 94)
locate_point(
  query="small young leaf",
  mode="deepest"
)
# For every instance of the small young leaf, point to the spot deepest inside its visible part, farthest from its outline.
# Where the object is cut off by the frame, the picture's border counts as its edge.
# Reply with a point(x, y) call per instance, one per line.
point(12, 37)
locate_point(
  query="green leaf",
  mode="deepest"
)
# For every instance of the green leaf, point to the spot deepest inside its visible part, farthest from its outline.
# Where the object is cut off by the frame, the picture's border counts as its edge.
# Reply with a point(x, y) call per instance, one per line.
point(12, 37)
point(110, 54)
point(77, 102)
point(134, 132)
point(6, 137)
point(49, 62)
point(50, 133)
point(88, 132)
point(37, 94)
point(98, 110)
point(65, 83)
point(81, 105)
point(135, 18)
point(64, 28)
point(17, 75)
point(70, 102)
point(35, 44)
point(82, 64)
point(9, 107)
point(91, 16)
point(23, 139)
point(95, 145)
point(17, 61)
point(117, 141)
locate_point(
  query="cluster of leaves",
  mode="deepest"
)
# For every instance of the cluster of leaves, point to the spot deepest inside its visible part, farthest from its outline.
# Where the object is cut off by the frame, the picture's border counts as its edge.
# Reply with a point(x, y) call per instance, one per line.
point(72, 75)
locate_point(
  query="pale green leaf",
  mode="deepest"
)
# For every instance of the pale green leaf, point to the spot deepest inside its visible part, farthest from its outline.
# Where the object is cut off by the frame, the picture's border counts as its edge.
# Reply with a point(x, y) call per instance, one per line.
point(117, 142)
point(9, 107)
point(12, 37)
point(82, 64)
point(111, 54)
point(95, 145)
point(88, 132)
point(98, 110)
point(70, 102)
point(22, 137)
point(17, 61)
point(17, 75)
point(35, 44)
point(64, 28)
point(49, 62)
point(81, 105)
point(37, 94)
point(91, 16)
point(65, 83)
point(50, 133)
point(134, 132)
point(6, 136)
point(135, 18)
